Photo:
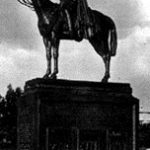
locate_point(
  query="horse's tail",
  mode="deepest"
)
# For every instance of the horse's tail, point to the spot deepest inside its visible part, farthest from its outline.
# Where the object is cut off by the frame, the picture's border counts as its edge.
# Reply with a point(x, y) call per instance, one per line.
point(113, 41)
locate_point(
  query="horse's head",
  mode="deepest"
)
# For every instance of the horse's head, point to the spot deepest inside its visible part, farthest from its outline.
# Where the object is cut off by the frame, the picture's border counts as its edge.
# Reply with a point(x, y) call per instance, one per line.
point(36, 4)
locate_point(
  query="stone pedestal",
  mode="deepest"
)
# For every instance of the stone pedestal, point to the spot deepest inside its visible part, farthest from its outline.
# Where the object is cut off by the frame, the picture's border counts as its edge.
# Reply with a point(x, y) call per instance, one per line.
point(76, 115)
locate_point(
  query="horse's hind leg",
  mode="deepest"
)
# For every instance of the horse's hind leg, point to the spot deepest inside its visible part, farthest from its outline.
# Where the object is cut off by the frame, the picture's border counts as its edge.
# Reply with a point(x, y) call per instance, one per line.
point(101, 47)
point(106, 59)
point(47, 44)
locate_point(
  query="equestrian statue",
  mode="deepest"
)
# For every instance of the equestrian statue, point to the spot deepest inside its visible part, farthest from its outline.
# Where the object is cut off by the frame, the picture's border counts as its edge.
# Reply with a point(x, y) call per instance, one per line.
point(73, 20)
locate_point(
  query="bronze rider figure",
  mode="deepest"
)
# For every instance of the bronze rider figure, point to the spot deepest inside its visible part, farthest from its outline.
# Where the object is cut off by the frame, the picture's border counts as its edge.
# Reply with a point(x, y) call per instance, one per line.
point(83, 23)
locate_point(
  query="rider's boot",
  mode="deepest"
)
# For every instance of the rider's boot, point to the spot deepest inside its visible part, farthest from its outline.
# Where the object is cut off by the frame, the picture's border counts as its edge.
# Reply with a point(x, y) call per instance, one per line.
point(69, 23)
point(89, 32)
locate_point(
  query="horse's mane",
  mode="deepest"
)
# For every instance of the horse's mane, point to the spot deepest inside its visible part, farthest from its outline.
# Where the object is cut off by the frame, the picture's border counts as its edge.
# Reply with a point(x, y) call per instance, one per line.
point(27, 3)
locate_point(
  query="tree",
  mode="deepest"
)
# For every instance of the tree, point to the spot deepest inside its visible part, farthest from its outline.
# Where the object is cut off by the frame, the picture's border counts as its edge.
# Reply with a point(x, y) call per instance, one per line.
point(144, 135)
point(8, 117)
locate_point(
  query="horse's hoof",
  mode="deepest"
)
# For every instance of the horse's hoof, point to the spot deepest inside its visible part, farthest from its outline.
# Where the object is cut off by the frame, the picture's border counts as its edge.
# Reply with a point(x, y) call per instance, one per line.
point(53, 77)
point(45, 76)
point(104, 80)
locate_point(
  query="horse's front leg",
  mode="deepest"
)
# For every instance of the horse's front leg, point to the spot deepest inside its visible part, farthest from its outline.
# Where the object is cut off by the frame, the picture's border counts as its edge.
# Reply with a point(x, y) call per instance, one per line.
point(106, 60)
point(55, 48)
point(47, 44)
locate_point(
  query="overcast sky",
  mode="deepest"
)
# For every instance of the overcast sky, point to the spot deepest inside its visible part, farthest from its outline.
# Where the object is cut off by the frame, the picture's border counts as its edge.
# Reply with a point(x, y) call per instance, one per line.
point(22, 53)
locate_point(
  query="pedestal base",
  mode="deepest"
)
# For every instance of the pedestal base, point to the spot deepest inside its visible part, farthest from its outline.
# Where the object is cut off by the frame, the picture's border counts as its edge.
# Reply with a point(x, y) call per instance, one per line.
point(61, 114)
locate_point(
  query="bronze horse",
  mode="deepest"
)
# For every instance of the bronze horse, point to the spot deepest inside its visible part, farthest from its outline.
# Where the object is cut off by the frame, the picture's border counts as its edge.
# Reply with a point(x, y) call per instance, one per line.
point(104, 39)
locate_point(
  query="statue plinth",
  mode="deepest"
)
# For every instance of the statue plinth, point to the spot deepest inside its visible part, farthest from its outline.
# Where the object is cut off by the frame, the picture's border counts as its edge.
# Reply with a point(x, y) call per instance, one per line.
point(61, 114)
